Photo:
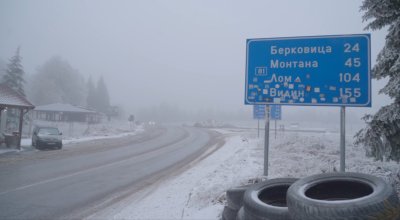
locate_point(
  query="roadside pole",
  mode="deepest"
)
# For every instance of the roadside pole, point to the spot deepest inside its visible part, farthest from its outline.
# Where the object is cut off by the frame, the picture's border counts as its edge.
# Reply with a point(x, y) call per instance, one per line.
point(266, 140)
point(275, 129)
point(258, 128)
point(342, 138)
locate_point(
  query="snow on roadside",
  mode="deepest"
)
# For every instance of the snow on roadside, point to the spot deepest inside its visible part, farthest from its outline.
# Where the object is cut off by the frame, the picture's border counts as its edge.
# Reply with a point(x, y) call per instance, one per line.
point(199, 193)
point(99, 131)
point(83, 129)
point(300, 154)
point(96, 136)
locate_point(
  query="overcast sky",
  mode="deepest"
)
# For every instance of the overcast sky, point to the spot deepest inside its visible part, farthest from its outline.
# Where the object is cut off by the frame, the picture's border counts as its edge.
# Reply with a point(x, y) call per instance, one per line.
point(188, 53)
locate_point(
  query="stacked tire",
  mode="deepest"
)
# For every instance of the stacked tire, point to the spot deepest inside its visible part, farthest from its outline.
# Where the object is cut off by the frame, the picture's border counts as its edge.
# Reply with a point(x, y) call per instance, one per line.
point(234, 198)
point(261, 201)
point(344, 196)
point(267, 201)
point(329, 196)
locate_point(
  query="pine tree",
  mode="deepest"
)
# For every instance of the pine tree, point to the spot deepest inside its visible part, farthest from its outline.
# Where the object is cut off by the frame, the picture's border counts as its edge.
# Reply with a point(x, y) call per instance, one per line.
point(2, 68)
point(14, 76)
point(103, 98)
point(91, 94)
point(57, 81)
point(381, 136)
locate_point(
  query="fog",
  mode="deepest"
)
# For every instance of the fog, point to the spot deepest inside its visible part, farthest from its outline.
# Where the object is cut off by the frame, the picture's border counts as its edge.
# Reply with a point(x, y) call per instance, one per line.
point(186, 54)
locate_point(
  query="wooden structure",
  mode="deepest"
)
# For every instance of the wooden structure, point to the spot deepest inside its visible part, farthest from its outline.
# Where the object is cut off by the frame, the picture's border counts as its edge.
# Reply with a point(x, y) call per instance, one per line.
point(9, 99)
point(65, 113)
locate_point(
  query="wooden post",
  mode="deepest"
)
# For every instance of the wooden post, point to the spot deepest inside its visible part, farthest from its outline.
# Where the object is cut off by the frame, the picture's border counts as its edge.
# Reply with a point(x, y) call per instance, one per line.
point(21, 119)
point(1, 111)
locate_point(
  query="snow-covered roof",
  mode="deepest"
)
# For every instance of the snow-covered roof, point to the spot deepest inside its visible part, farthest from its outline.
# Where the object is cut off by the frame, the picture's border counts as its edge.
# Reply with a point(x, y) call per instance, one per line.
point(59, 107)
point(10, 98)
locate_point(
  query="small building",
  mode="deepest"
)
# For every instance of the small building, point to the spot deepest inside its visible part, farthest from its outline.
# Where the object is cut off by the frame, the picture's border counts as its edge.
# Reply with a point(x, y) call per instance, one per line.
point(65, 113)
point(12, 101)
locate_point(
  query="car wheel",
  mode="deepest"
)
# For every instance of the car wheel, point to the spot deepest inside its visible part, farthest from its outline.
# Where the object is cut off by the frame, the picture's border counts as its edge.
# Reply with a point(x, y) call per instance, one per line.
point(37, 145)
point(267, 200)
point(344, 196)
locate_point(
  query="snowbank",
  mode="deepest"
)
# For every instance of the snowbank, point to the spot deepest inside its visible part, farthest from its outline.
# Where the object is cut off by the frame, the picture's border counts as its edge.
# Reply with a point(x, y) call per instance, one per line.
point(199, 193)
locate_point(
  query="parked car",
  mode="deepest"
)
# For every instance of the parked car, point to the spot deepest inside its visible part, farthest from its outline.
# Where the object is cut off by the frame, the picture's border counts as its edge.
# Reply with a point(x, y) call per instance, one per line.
point(46, 137)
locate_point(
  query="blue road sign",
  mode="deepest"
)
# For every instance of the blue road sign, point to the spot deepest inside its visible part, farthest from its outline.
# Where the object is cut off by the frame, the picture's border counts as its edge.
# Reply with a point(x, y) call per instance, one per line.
point(319, 70)
point(258, 111)
point(276, 112)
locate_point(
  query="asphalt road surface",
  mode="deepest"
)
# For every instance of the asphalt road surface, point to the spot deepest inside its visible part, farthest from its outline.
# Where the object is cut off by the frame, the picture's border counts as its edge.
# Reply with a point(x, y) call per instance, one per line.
point(82, 179)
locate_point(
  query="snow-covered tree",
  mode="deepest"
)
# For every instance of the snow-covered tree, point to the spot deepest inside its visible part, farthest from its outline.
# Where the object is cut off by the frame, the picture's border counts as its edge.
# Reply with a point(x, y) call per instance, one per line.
point(91, 94)
point(381, 136)
point(57, 81)
point(2, 68)
point(97, 96)
point(14, 74)
point(103, 98)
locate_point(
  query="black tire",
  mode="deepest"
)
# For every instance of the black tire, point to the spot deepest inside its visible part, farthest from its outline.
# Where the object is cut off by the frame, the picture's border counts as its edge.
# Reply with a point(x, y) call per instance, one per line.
point(234, 196)
point(240, 214)
point(267, 200)
point(228, 213)
point(344, 196)
point(37, 145)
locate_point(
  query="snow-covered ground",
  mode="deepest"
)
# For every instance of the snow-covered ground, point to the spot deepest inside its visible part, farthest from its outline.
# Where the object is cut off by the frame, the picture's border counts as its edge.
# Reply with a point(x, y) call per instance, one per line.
point(199, 192)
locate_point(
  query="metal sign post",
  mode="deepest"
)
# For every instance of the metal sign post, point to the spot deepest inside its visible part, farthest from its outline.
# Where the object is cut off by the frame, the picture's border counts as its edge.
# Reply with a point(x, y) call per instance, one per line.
point(258, 113)
point(309, 71)
point(342, 138)
point(266, 140)
point(276, 114)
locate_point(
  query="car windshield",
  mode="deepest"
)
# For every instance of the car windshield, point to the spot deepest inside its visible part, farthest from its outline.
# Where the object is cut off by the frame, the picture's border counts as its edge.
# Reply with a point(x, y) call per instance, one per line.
point(49, 131)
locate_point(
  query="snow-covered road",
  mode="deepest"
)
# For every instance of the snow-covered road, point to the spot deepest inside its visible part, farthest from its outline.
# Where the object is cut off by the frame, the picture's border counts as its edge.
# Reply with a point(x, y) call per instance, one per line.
point(78, 180)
